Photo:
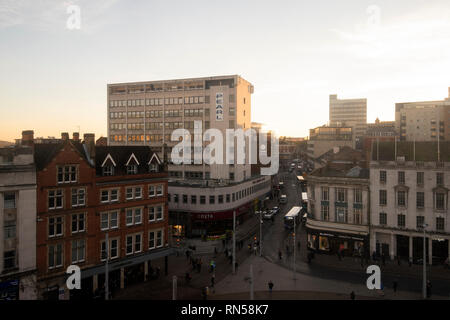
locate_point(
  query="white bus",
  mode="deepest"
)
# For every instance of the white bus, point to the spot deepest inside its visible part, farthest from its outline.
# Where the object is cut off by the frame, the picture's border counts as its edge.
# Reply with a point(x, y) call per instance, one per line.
point(291, 217)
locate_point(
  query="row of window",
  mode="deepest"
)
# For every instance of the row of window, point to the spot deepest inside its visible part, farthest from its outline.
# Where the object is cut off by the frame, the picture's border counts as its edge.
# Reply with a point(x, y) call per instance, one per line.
point(420, 221)
point(157, 101)
point(341, 194)
point(108, 220)
point(131, 169)
point(56, 197)
point(419, 177)
point(439, 202)
point(222, 198)
point(341, 214)
point(167, 113)
point(133, 245)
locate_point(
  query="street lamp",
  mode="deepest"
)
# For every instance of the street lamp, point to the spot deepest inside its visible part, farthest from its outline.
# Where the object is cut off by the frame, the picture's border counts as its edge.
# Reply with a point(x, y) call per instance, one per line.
point(260, 233)
point(424, 285)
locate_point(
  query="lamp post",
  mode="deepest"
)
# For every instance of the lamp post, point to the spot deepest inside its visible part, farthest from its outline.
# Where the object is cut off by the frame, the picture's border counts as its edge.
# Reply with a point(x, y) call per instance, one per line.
point(234, 241)
point(260, 233)
point(424, 286)
point(294, 244)
point(106, 268)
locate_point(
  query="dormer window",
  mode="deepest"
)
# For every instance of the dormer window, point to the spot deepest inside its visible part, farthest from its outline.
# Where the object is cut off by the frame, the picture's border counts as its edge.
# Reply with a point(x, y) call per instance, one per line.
point(108, 171)
point(108, 166)
point(154, 167)
point(132, 169)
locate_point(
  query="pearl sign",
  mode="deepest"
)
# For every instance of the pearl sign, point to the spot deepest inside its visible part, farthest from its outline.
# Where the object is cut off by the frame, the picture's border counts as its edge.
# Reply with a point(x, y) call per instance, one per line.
point(219, 106)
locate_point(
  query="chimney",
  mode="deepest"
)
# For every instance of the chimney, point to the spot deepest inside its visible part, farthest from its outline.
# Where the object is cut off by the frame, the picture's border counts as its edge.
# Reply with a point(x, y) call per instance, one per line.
point(89, 141)
point(76, 136)
point(64, 136)
point(28, 138)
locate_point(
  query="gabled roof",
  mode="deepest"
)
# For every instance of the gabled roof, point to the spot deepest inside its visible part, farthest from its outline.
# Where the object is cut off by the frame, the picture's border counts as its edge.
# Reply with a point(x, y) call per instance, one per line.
point(132, 157)
point(108, 157)
point(154, 156)
point(45, 152)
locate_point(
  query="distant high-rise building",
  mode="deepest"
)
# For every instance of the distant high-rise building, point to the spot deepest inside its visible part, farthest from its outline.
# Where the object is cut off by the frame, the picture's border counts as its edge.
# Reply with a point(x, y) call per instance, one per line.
point(349, 113)
point(422, 120)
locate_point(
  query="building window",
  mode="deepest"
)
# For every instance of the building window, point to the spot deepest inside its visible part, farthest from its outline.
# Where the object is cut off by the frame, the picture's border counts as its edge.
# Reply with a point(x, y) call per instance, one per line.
point(420, 221)
point(159, 213)
point(10, 229)
point(420, 178)
point(382, 176)
point(133, 244)
point(113, 249)
point(78, 250)
point(401, 177)
point(420, 201)
point(159, 190)
point(55, 199)
point(55, 256)
point(155, 239)
point(341, 214)
point(9, 259)
point(440, 201)
point(341, 195)
point(383, 218)
point(220, 200)
point(357, 216)
point(133, 216)
point(325, 194)
point(440, 223)
point(439, 178)
point(175, 198)
point(111, 195)
point(78, 197)
point(109, 220)
point(401, 220)
point(185, 198)
point(153, 168)
point(193, 199)
point(9, 200)
point(55, 226)
point(325, 213)
point(357, 196)
point(212, 199)
point(78, 222)
point(228, 197)
point(159, 238)
point(108, 171)
point(132, 169)
point(202, 199)
point(401, 198)
point(67, 174)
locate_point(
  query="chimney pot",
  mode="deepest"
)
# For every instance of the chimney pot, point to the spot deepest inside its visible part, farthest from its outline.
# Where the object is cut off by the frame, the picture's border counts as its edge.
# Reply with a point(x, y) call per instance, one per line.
point(76, 136)
point(65, 136)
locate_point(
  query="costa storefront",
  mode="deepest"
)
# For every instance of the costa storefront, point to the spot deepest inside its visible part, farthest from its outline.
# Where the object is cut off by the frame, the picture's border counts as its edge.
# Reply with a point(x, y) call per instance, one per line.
point(218, 223)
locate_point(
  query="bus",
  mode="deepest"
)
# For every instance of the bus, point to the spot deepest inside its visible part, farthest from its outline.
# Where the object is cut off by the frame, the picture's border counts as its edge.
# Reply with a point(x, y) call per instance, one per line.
point(305, 200)
point(291, 218)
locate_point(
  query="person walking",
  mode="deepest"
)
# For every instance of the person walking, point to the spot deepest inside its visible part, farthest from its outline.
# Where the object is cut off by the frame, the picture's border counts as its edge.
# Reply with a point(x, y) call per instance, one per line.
point(270, 284)
point(255, 249)
point(213, 279)
point(352, 295)
point(394, 286)
point(428, 289)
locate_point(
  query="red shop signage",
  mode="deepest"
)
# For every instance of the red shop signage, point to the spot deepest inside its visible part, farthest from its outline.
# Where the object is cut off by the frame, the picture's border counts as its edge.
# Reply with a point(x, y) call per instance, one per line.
point(220, 215)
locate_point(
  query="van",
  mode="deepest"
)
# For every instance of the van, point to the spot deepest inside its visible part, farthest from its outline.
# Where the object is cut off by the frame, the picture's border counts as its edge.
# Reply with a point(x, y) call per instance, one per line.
point(283, 198)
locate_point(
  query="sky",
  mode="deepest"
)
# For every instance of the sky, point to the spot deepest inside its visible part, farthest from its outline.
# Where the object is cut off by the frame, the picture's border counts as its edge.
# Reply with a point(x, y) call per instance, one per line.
point(55, 64)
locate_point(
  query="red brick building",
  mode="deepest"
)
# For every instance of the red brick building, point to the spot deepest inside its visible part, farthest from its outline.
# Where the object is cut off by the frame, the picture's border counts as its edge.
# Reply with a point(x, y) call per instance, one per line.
point(85, 192)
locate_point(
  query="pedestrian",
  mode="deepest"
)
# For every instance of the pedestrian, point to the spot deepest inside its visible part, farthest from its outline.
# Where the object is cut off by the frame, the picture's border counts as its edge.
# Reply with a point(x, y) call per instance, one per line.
point(394, 285)
point(428, 289)
point(213, 278)
point(187, 254)
point(309, 257)
point(270, 284)
point(280, 255)
point(352, 295)
point(215, 251)
point(235, 266)
point(255, 249)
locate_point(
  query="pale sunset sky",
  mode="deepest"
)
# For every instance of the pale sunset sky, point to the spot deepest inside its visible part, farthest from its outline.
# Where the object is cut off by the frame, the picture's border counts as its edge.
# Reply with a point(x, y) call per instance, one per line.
point(296, 53)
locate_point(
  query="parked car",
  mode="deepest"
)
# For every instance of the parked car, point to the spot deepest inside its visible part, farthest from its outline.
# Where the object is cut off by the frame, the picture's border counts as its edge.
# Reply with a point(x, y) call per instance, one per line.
point(276, 210)
point(283, 199)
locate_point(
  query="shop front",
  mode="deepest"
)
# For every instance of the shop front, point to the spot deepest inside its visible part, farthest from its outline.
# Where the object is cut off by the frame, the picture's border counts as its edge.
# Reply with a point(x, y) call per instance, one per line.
point(9, 290)
point(209, 224)
point(333, 242)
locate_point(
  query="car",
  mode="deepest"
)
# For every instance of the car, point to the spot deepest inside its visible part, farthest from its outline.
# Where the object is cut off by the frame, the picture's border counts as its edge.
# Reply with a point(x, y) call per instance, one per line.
point(276, 210)
point(268, 215)
point(283, 198)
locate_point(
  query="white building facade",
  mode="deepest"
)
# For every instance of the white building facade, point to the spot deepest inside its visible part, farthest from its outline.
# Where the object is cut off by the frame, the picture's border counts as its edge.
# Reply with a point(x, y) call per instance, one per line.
point(17, 224)
point(405, 195)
